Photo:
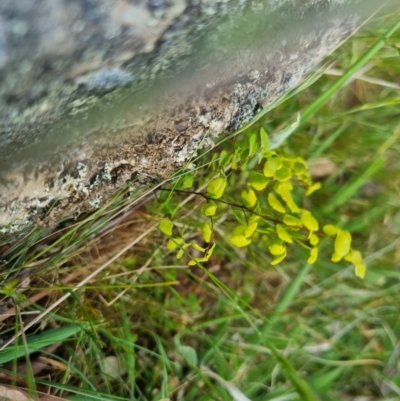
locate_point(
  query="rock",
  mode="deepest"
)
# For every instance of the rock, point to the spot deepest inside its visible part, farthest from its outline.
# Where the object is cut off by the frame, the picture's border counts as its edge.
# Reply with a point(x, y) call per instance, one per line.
point(95, 93)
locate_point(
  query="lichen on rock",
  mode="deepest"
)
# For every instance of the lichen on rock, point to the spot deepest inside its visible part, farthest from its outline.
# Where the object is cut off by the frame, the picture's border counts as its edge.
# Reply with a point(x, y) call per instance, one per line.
point(116, 90)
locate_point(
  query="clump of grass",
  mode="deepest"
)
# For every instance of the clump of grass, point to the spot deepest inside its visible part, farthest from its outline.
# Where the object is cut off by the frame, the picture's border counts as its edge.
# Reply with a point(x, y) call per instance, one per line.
point(137, 325)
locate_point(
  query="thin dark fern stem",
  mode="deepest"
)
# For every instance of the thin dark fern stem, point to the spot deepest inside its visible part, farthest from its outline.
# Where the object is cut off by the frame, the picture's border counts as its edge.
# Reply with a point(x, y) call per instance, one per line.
point(232, 204)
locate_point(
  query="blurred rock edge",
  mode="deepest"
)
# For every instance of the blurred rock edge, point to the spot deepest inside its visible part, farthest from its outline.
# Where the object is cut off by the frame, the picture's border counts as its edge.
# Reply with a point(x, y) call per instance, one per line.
point(96, 93)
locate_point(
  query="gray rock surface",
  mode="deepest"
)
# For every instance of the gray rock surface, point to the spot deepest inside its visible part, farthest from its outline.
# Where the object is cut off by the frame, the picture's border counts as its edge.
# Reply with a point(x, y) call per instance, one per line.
point(96, 92)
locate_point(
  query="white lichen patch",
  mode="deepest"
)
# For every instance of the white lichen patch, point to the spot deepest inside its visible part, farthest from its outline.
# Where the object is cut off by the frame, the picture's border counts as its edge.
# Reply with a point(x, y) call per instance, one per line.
point(105, 79)
point(96, 201)
point(106, 174)
point(254, 75)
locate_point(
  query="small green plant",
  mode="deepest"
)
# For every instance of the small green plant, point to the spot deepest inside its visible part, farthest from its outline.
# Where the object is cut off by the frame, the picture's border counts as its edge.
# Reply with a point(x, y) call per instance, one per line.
point(295, 331)
point(266, 211)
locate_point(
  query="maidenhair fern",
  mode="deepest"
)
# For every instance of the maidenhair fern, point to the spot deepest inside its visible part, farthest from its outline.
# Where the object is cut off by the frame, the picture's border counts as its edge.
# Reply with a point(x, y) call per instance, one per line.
point(266, 206)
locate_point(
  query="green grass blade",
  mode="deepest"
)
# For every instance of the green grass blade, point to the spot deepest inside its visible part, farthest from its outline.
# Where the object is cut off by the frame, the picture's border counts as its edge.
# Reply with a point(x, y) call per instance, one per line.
point(351, 188)
point(81, 394)
point(301, 386)
point(39, 341)
point(327, 142)
point(325, 96)
point(286, 298)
